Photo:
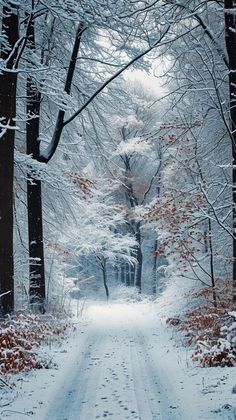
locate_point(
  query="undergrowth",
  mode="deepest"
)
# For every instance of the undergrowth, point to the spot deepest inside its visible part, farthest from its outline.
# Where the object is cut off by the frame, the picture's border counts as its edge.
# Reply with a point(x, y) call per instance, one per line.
point(209, 327)
point(20, 340)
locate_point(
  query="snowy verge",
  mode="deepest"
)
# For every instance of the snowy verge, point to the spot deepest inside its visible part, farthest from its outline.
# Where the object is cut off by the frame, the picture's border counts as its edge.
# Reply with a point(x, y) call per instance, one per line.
point(206, 393)
point(29, 393)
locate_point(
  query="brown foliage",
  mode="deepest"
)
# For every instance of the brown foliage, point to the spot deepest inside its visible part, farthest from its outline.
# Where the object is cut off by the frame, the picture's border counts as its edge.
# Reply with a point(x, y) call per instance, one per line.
point(19, 339)
point(202, 325)
point(83, 183)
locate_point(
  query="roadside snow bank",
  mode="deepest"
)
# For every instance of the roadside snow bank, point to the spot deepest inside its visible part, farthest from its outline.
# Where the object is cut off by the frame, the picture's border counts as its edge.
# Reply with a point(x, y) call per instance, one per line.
point(206, 393)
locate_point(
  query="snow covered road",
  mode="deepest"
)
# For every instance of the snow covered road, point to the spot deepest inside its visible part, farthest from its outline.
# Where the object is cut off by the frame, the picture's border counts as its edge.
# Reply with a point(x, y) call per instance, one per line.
point(114, 375)
point(122, 364)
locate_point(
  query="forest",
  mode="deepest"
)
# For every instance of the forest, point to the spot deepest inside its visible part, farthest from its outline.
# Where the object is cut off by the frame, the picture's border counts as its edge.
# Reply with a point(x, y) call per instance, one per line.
point(118, 194)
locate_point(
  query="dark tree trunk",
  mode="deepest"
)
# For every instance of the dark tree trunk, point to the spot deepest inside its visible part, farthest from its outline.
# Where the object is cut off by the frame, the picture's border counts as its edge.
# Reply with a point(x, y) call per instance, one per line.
point(122, 273)
point(139, 256)
point(34, 195)
point(36, 250)
point(34, 190)
point(212, 263)
point(205, 241)
point(230, 37)
point(132, 274)
point(154, 269)
point(8, 82)
point(51, 149)
point(116, 273)
point(104, 273)
point(127, 274)
point(116, 266)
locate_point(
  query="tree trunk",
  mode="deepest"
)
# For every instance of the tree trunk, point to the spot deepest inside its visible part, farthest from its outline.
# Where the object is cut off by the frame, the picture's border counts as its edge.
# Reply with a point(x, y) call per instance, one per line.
point(230, 38)
point(139, 256)
point(154, 269)
point(122, 273)
point(116, 272)
point(104, 273)
point(34, 190)
point(116, 266)
point(34, 195)
point(132, 274)
point(47, 154)
point(127, 274)
point(36, 250)
point(212, 263)
point(8, 83)
point(205, 241)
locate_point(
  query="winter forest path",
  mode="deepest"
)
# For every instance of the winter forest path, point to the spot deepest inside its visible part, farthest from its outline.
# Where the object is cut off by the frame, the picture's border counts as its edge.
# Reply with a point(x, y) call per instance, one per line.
point(115, 374)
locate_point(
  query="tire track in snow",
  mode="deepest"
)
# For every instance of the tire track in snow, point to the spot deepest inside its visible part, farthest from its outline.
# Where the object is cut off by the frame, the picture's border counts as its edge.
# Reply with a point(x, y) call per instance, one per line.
point(116, 376)
point(145, 408)
point(152, 395)
point(115, 397)
point(69, 401)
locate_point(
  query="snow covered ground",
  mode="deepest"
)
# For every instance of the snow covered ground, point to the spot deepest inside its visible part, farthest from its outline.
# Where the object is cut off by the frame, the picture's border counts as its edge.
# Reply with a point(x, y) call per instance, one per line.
point(123, 363)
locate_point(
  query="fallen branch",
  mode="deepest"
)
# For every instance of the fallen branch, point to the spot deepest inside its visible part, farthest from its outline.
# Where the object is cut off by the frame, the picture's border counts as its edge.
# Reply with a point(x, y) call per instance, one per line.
point(18, 412)
point(5, 383)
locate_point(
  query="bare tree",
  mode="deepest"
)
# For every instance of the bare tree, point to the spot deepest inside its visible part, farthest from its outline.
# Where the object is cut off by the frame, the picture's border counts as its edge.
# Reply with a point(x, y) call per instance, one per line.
point(8, 83)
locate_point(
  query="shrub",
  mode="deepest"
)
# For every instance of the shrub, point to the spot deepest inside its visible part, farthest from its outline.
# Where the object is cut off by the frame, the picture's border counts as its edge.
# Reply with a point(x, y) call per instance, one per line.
point(21, 336)
point(210, 329)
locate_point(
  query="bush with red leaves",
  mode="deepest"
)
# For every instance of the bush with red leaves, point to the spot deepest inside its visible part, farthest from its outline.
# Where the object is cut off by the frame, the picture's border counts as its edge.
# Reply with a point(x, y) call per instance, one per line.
point(210, 328)
point(21, 336)
point(211, 355)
